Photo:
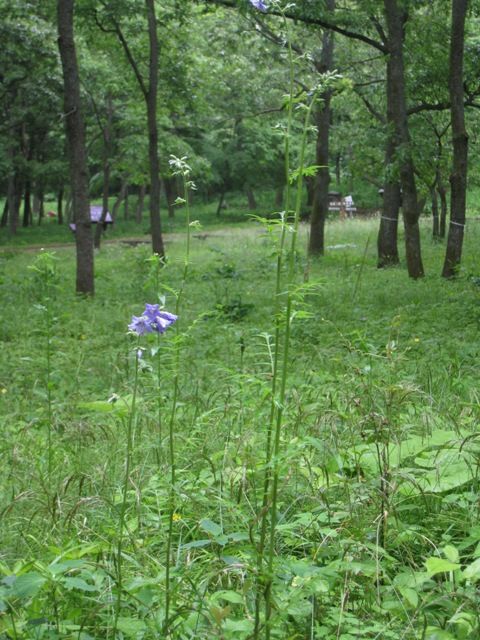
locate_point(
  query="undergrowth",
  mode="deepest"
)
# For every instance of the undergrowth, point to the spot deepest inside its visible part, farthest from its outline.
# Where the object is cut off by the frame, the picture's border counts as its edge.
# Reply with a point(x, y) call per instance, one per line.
point(378, 532)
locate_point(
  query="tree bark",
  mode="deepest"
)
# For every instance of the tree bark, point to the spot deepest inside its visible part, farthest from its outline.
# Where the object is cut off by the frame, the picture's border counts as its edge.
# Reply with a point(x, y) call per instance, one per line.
point(27, 205)
point(140, 201)
point(251, 200)
point(120, 197)
point(107, 150)
point(387, 246)
point(458, 177)
point(435, 217)
point(75, 131)
point(220, 203)
point(395, 19)
point(442, 192)
point(151, 100)
point(4, 220)
point(60, 206)
point(170, 195)
point(322, 119)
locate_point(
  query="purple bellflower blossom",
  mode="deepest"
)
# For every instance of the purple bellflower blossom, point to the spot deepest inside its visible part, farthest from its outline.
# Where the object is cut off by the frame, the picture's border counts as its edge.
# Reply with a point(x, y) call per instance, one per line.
point(140, 325)
point(152, 319)
point(259, 4)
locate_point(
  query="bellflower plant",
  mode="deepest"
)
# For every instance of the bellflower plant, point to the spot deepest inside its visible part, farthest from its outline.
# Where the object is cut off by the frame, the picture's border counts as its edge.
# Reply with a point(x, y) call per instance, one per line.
point(153, 319)
point(260, 5)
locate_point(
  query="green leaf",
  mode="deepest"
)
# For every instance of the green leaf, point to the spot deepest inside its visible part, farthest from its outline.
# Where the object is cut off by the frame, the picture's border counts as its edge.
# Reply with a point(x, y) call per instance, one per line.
point(229, 596)
point(27, 585)
point(78, 583)
point(451, 553)
point(131, 627)
point(472, 572)
point(434, 633)
point(410, 595)
point(440, 565)
point(211, 527)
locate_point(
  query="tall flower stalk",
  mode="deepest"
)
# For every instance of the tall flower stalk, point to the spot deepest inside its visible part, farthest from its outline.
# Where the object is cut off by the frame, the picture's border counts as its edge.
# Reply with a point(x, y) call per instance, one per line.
point(283, 315)
point(44, 268)
point(179, 168)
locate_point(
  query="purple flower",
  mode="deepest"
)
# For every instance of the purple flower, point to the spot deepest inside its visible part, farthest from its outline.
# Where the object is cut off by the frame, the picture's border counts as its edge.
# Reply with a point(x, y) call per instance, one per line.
point(152, 319)
point(160, 320)
point(259, 4)
point(140, 325)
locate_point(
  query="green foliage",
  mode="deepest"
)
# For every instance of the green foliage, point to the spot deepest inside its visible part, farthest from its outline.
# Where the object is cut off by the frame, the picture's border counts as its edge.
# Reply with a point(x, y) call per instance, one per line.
point(378, 532)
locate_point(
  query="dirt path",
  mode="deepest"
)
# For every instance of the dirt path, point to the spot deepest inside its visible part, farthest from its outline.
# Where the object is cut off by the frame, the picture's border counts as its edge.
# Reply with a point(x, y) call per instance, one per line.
point(128, 241)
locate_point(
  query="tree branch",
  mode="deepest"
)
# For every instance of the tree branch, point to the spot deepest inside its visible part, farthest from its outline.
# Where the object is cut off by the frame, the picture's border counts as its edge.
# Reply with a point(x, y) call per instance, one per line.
point(320, 22)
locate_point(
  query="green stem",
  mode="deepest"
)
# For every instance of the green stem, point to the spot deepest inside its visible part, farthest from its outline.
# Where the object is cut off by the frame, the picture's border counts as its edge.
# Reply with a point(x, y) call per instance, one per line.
point(276, 357)
point(171, 431)
point(280, 402)
point(123, 506)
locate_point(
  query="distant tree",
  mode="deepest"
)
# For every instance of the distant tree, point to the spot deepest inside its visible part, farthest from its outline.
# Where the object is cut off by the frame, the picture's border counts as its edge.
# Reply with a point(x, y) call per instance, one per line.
point(458, 178)
point(76, 148)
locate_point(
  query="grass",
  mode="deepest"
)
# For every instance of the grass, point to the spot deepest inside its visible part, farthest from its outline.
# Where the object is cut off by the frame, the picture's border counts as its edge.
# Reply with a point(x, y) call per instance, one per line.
point(378, 507)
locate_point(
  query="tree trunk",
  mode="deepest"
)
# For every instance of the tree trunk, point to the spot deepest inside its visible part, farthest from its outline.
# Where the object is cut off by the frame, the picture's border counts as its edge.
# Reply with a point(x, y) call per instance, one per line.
point(76, 148)
point(4, 220)
point(170, 195)
point(220, 203)
point(396, 18)
point(338, 165)
point(151, 99)
point(120, 197)
point(107, 149)
point(126, 202)
point(442, 192)
point(310, 186)
point(279, 197)
point(139, 209)
point(60, 206)
point(41, 205)
point(322, 179)
point(387, 246)
point(458, 178)
point(27, 205)
point(14, 198)
point(251, 201)
point(435, 218)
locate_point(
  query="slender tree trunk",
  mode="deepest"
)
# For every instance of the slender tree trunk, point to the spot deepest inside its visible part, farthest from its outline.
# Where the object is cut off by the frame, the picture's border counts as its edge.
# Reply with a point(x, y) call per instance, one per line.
point(107, 150)
point(435, 217)
point(14, 200)
point(120, 197)
point(279, 197)
point(170, 195)
point(126, 202)
point(396, 18)
point(76, 148)
point(220, 203)
point(251, 200)
point(322, 179)
point(41, 205)
point(442, 193)
point(458, 178)
point(338, 164)
point(27, 205)
point(60, 206)
point(4, 220)
point(139, 209)
point(151, 99)
point(387, 246)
